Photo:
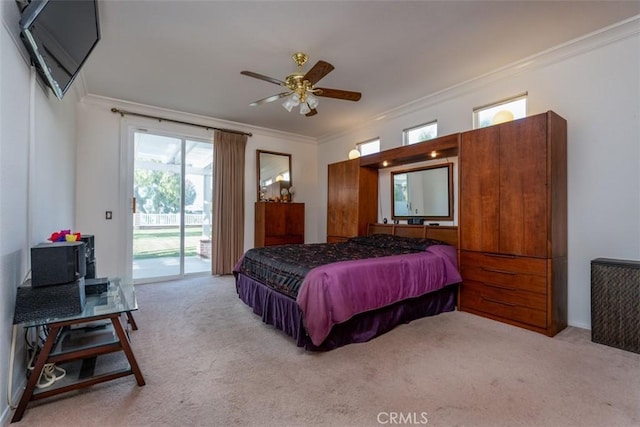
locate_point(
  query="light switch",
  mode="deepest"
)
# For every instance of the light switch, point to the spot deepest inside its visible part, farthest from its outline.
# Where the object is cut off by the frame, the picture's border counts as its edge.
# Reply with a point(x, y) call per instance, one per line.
point(108, 215)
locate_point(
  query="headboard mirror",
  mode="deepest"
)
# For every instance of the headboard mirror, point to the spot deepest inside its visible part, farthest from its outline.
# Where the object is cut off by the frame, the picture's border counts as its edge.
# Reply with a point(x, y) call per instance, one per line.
point(425, 192)
point(274, 174)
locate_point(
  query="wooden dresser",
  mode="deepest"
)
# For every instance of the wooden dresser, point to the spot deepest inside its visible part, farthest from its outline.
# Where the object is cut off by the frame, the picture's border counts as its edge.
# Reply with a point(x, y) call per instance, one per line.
point(513, 222)
point(278, 223)
point(352, 199)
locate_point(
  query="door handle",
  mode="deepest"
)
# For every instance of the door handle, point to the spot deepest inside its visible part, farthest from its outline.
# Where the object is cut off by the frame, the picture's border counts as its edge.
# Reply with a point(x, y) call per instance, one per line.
point(133, 205)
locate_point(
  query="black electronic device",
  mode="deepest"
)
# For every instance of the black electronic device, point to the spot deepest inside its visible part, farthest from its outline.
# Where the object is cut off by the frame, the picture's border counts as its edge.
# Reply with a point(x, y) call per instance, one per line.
point(90, 271)
point(96, 285)
point(90, 246)
point(90, 252)
point(60, 35)
point(415, 221)
point(57, 263)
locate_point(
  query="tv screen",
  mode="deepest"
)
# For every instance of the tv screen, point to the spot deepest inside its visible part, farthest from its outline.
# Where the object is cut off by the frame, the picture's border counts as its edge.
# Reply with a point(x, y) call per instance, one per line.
point(60, 35)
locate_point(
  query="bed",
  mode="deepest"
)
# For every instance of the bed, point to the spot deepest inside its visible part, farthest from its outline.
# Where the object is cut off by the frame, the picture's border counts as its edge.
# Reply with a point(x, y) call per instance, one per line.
point(328, 295)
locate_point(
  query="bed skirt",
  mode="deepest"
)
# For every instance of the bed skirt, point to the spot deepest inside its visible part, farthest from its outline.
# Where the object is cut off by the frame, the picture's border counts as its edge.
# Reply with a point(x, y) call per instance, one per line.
point(282, 312)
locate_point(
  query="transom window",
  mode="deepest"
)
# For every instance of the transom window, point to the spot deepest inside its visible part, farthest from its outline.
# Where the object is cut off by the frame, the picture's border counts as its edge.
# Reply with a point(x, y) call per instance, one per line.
point(499, 112)
point(420, 133)
point(369, 147)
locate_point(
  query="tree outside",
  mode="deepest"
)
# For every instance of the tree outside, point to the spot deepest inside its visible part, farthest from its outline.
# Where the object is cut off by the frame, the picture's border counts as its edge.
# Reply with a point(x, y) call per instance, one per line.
point(159, 192)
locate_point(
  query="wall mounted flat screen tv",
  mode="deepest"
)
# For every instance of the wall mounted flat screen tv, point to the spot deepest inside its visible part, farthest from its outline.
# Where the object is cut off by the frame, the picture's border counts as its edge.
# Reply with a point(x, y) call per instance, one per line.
point(60, 35)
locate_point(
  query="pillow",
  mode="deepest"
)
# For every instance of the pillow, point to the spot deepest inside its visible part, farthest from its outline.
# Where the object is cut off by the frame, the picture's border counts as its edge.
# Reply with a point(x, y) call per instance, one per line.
point(397, 242)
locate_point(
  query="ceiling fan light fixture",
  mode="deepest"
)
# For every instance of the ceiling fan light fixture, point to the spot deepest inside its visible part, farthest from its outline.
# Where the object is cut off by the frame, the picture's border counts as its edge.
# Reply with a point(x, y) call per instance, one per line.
point(312, 100)
point(301, 87)
point(304, 108)
point(291, 102)
point(287, 104)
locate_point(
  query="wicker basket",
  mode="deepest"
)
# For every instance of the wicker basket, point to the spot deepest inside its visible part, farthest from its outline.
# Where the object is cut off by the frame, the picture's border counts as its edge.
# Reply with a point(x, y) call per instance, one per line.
point(615, 303)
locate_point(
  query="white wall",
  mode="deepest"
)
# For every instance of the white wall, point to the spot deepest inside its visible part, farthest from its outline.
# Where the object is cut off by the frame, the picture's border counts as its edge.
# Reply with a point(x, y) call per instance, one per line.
point(594, 83)
point(101, 168)
point(37, 174)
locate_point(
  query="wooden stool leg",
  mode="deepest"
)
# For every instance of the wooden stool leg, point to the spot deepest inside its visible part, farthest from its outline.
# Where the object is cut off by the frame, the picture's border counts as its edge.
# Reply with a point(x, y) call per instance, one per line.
point(124, 343)
point(35, 374)
point(132, 321)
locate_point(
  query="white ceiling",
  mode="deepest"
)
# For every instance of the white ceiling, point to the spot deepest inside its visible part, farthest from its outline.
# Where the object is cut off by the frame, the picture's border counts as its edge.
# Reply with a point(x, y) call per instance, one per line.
point(187, 55)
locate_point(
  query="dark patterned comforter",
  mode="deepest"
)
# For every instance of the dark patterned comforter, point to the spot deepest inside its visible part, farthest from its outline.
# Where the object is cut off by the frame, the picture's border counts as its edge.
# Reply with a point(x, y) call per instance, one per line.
point(284, 268)
point(333, 282)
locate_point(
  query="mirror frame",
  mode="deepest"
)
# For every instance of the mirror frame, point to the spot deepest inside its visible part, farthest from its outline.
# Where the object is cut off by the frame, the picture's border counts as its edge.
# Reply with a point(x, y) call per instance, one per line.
point(449, 167)
point(258, 154)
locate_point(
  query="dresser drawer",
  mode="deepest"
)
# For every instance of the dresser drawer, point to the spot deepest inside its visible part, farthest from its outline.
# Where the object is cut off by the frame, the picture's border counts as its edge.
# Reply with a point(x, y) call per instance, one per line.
point(520, 306)
point(508, 296)
point(513, 273)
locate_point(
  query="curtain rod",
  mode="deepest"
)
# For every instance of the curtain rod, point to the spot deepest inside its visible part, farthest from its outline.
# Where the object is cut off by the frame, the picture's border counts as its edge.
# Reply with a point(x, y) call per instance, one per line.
point(161, 119)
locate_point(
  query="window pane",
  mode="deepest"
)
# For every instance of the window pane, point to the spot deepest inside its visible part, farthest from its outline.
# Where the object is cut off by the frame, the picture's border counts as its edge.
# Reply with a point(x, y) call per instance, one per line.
point(172, 222)
point(157, 190)
point(420, 133)
point(198, 206)
point(499, 113)
point(369, 147)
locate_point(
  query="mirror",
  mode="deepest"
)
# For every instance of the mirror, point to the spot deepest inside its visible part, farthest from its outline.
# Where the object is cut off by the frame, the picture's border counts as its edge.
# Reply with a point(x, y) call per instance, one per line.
point(425, 192)
point(274, 174)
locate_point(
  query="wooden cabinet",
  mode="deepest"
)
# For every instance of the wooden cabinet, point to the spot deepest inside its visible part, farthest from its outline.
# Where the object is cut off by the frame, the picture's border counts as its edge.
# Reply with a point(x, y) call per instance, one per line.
point(513, 222)
point(278, 223)
point(352, 199)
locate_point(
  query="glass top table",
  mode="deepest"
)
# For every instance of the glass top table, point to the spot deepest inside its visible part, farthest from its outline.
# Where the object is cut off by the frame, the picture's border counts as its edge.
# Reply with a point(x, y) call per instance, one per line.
point(118, 299)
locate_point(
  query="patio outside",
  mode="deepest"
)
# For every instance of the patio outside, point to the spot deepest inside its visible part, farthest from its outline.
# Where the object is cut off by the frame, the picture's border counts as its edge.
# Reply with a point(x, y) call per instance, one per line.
point(156, 252)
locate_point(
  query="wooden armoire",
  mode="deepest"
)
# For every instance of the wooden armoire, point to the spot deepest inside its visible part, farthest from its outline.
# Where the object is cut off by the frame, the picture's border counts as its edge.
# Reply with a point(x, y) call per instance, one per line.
point(352, 199)
point(513, 222)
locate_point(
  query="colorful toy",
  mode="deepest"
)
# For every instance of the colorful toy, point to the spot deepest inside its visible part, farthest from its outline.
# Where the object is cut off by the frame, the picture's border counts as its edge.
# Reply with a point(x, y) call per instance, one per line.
point(65, 236)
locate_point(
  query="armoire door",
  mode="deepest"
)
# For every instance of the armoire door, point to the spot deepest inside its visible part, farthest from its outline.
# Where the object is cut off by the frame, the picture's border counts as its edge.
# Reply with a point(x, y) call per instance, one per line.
point(503, 188)
point(342, 215)
point(523, 187)
point(479, 190)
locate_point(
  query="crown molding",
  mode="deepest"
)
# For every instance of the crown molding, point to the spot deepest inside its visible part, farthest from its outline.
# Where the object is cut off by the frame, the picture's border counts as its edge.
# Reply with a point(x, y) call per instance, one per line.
point(108, 103)
point(79, 86)
point(605, 36)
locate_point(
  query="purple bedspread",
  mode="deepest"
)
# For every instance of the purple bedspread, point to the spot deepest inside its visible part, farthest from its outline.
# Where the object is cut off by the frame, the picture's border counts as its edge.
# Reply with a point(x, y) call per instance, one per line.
point(325, 300)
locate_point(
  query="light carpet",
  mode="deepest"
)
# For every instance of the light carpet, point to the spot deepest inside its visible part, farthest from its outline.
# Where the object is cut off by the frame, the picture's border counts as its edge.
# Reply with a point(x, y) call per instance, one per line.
point(209, 361)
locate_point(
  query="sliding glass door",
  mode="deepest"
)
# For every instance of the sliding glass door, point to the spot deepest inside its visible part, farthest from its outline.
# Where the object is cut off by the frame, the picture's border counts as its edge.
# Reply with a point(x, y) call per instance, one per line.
point(172, 193)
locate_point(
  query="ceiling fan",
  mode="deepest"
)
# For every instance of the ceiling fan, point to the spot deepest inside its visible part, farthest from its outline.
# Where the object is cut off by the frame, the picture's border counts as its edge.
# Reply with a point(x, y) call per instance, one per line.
point(301, 89)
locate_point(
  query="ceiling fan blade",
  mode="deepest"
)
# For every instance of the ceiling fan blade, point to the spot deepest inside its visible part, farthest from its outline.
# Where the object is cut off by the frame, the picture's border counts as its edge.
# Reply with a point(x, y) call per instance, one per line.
point(269, 99)
point(338, 94)
point(313, 112)
point(318, 71)
point(263, 77)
